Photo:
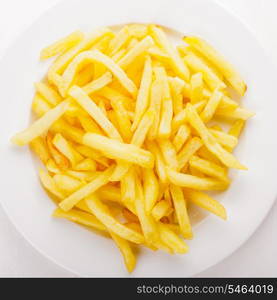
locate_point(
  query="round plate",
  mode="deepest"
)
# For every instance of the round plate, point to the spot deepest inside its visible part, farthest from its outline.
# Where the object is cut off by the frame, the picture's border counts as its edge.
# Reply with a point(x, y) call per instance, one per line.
point(247, 201)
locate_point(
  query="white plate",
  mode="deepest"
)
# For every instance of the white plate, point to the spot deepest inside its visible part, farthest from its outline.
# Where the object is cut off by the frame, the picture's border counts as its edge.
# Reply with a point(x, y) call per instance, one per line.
point(247, 201)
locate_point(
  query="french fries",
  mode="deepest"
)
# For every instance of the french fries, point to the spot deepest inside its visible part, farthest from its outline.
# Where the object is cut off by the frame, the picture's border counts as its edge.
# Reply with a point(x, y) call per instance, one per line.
point(131, 130)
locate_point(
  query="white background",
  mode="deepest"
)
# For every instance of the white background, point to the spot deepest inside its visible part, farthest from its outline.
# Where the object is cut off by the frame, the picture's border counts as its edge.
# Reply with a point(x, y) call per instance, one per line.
point(256, 258)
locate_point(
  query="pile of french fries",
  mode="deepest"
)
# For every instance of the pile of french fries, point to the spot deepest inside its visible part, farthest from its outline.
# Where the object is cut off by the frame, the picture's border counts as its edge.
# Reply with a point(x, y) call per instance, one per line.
point(129, 129)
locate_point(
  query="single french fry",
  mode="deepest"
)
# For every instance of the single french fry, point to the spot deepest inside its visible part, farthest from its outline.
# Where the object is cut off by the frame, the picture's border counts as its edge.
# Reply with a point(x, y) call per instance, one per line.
point(39, 147)
point(102, 213)
point(40, 126)
point(211, 106)
point(209, 140)
point(155, 106)
point(98, 83)
point(161, 209)
point(237, 128)
point(79, 217)
point(193, 182)
point(87, 189)
point(143, 93)
point(239, 113)
point(52, 167)
point(164, 130)
point(151, 189)
point(117, 150)
point(197, 64)
point(196, 88)
point(128, 190)
point(209, 168)
point(206, 202)
point(191, 147)
point(66, 183)
point(159, 162)
point(169, 153)
point(177, 63)
point(181, 137)
point(126, 251)
point(48, 93)
point(86, 165)
point(143, 128)
point(176, 87)
point(40, 106)
point(228, 71)
point(180, 206)
point(224, 138)
point(95, 112)
point(62, 45)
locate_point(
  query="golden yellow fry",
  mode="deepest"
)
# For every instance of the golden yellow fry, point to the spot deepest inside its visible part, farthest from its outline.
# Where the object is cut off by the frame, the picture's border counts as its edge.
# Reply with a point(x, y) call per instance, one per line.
point(204, 153)
point(177, 63)
point(180, 206)
point(237, 128)
point(66, 149)
point(239, 113)
point(197, 64)
point(151, 189)
point(135, 52)
point(155, 106)
point(171, 239)
point(181, 137)
point(109, 193)
point(196, 88)
point(211, 106)
point(138, 30)
point(100, 180)
point(143, 128)
point(52, 167)
point(84, 76)
point(62, 45)
point(209, 168)
point(193, 182)
point(86, 165)
point(176, 87)
point(40, 106)
point(128, 190)
point(159, 162)
point(102, 213)
point(103, 44)
point(72, 133)
point(81, 175)
point(228, 71)
point(61, 161)
point(148, 225)
point(98, 83)
point(94, 111)
point(48, 93)
point(161, 209)
point(93, 154)
point(159, 55)
point(117, 150)
point(143, 93)
point(120, 170)
point(40, 126)
point(95, 56)
point(209, 140)
point(66, 183)
point(119, 41)
point(39, 147)
point(206, 202)
point(226, 105)
point(169, 153)
point(54, 73)
point(118, 55)
point(49, 184)
point(126, 251)
point(224, 138)
point(123, 120)
point(88, 124)
point(191, 147)
point(79, 217)
point(164, 130)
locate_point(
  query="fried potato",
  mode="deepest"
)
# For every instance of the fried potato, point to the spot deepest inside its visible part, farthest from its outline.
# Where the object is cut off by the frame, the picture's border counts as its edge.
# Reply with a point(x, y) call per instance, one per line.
point(211, 106)
point(196, 87)
point(192, 146)
point(116, 150)
point(48, 93)
point(181, 137)
point(150, 188)
point(39, 147)
point(161, 209)
point(40, 106)
point(40, 126)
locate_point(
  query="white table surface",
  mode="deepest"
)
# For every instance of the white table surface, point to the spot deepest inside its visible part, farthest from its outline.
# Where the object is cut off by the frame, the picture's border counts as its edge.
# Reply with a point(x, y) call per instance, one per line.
point(256, 258)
